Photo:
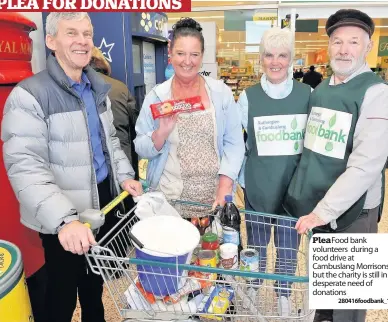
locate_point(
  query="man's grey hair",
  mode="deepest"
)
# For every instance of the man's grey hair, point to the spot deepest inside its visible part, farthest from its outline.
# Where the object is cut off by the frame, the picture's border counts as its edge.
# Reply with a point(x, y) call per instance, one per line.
point(54, 17)
point(277, 38)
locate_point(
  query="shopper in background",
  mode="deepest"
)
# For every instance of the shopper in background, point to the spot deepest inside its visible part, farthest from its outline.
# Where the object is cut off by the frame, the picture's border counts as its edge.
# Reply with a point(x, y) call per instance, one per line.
point(312, 77)
point(123, 107)
point(275, 107)
point(192, 156)
point(124, 111)
point(338, 185)
point(62, 159)
point(298, 74)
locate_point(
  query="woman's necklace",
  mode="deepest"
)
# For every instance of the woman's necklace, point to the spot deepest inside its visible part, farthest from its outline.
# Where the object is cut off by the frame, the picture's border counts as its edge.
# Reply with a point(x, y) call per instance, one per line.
point(172, 89)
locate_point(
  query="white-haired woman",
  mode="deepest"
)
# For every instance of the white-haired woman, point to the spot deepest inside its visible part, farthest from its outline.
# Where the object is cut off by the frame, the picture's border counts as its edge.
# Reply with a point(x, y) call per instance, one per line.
point(274, 114)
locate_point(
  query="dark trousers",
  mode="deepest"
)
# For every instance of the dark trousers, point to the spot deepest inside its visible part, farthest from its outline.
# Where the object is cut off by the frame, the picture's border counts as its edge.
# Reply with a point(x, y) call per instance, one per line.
point(36, 284)
point(366, 223)
point(68, 274)
point(286, 242)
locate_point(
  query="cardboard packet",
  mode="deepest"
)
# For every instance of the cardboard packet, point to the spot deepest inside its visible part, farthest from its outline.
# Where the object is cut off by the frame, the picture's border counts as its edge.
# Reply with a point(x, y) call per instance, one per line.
point(217, 302)
point(172, 107)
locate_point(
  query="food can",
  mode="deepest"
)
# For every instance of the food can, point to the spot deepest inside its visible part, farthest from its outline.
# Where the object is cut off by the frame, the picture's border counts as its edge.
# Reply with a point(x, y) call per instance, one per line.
point(194, 257)
point(210, 242)
point(229, 256)
point(208, 258)
point(249, 261)
point(230, 236)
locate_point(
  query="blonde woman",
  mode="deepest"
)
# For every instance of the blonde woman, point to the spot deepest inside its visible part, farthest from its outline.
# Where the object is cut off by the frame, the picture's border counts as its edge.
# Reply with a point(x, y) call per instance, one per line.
point(274, 114)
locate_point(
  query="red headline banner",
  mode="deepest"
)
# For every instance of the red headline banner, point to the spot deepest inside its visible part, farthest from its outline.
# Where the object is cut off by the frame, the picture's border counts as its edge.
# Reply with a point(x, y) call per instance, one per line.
point(96, 5)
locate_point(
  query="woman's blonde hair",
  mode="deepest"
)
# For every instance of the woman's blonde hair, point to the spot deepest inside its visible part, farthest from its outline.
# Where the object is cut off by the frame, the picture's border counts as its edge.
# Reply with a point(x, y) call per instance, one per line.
point(99, 63)
point(277, 38)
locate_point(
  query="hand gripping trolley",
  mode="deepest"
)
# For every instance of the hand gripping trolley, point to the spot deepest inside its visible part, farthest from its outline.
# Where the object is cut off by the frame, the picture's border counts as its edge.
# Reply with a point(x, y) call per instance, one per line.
point(276, 290)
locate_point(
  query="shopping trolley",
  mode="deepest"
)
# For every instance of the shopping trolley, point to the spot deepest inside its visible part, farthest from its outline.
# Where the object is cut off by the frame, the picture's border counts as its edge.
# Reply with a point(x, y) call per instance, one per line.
point(250, 296)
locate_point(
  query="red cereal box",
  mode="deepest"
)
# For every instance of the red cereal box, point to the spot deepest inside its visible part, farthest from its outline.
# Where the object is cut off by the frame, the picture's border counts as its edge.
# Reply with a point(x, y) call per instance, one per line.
point(171, 107)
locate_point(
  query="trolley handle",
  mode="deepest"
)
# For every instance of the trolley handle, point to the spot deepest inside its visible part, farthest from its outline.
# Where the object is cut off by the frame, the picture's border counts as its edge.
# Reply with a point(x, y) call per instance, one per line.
point(113, 204)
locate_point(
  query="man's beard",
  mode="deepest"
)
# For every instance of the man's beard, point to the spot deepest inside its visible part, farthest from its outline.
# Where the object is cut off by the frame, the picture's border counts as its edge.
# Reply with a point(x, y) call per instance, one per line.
point(348, 70)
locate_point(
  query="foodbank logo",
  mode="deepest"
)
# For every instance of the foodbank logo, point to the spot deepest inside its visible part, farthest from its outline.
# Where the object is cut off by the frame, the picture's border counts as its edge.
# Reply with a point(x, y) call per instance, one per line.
point(329, 144)
point(283, 135)
point(294, 125)
point(328, 133)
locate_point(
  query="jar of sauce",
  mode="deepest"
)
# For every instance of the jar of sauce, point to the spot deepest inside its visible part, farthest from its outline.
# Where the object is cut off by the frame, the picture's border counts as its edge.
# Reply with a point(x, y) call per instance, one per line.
point(210, 242)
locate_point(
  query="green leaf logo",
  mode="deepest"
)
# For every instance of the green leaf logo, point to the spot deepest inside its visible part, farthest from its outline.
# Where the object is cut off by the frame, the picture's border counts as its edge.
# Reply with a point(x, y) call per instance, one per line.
point(294, 124)
point(329, 146)
point(333, 120)
point(296, 146)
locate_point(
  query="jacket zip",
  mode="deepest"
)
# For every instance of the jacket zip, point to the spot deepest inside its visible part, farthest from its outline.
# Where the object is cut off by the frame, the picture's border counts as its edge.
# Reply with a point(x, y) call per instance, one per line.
point(95, 203)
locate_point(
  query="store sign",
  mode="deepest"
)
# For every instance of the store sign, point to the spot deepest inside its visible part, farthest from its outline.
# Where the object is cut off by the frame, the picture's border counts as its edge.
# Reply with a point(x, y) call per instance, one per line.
point(302, 25)
point(106, 49)
point(384, 62)
point(152, 23)
point(383, 46)
point(321, 56)
point(111, 41)
point(149, 65)
point(234, 20)
point(209, 70)
point(264, 18)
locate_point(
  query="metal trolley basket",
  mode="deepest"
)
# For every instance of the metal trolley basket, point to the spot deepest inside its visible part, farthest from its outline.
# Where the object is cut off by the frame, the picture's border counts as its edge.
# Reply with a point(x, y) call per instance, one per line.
point(256, 295)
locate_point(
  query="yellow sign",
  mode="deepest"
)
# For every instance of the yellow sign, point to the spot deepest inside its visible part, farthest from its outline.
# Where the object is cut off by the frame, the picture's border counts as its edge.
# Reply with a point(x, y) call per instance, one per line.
point(15, 306)
point(14, 303)
point(264, 18)
point(384, 62)
point(5, 260)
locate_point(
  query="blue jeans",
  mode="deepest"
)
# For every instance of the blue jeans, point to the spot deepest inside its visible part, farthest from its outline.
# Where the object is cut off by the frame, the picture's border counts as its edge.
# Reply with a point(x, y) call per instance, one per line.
point(286, 241)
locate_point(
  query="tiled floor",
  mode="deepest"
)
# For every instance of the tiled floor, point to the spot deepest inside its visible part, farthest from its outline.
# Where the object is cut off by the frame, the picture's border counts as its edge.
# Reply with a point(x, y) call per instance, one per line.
point(372, 316)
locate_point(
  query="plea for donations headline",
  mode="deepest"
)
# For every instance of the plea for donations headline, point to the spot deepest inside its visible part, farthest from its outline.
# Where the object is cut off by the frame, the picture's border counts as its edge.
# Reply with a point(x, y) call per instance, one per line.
point(96, 5)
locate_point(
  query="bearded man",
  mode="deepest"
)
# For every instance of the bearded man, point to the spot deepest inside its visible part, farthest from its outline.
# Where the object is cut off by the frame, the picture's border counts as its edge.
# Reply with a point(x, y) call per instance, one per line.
point(338, 186)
